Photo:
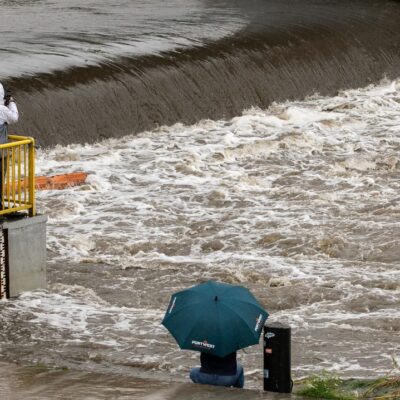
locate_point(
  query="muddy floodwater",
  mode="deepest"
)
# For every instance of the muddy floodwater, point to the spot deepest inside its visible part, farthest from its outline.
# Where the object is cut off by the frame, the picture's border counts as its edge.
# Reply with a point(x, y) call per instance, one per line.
point(298, 202)
point(254, 143)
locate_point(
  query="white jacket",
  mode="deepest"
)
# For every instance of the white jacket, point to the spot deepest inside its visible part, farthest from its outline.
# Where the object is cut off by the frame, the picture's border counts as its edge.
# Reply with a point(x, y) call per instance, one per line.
point(8, 113)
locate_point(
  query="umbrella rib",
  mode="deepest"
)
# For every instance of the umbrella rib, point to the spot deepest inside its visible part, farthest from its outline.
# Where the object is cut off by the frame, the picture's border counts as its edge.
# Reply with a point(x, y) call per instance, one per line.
point(248, 302)
point(245, 322)
point(224, 305)
point(219, 325)
point(182, 309)
point(190, 332)
point(256, 305)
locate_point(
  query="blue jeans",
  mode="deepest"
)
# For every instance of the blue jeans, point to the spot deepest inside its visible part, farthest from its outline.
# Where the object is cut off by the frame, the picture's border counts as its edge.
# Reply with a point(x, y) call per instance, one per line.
point(218, 380)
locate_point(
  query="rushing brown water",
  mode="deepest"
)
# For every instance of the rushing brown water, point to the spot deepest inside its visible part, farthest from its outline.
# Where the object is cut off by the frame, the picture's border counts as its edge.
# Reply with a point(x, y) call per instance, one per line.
point(299, 203)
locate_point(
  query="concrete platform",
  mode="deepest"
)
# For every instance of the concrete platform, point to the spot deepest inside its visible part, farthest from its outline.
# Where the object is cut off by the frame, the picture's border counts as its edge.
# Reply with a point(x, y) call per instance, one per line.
point(40, 383)
point(25, 253)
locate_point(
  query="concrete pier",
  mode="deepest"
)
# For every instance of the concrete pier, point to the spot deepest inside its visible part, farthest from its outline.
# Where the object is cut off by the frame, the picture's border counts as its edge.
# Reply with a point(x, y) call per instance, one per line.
point(22, 254)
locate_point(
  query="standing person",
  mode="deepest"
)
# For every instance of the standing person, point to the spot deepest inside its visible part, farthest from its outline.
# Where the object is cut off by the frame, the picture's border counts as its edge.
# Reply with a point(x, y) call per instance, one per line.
point(218, 371)
point(8, 115)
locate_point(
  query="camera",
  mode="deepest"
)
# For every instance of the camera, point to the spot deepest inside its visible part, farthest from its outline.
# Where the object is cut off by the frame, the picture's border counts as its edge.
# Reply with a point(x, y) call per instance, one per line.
point(7, 98)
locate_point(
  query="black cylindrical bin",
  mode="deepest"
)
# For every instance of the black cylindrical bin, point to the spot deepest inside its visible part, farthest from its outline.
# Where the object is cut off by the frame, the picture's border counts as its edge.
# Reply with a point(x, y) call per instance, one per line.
point(277, 376)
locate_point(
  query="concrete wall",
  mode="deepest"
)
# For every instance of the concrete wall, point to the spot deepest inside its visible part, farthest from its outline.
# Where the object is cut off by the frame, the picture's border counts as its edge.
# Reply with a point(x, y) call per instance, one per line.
point(25, 253)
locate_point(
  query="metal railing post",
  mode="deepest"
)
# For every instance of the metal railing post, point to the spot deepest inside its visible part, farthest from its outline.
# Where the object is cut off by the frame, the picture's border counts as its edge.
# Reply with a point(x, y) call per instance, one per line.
point(32, 211)
point(13, 163)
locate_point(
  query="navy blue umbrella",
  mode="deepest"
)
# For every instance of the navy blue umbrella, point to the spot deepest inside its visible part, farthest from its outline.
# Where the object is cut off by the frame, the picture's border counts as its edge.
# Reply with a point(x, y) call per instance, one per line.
point(215, 318)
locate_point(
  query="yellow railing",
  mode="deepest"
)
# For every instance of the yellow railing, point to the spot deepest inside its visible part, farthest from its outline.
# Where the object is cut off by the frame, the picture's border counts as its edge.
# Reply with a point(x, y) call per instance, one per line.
point(17, 173)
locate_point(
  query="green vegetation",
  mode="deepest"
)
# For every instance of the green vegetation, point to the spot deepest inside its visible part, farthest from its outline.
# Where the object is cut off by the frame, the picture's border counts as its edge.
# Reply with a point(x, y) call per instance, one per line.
point(333, 388)
point(324, 387)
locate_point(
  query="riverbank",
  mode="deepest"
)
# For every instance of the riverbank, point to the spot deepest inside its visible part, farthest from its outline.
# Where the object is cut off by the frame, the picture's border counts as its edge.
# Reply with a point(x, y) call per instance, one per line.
point(39, 382)
point(43, 383)
point(334, 388)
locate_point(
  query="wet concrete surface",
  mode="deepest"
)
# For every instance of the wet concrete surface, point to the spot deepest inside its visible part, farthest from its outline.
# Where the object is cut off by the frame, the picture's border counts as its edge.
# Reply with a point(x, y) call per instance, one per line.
point(40, 383)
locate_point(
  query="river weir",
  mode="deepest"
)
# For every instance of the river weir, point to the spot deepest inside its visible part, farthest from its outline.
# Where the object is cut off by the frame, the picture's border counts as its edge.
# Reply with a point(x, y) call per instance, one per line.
point(89, 81)
point(265, 155)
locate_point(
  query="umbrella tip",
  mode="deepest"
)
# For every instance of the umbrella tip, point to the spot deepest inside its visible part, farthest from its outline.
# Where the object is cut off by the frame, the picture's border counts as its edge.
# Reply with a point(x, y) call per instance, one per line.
point(216, 298)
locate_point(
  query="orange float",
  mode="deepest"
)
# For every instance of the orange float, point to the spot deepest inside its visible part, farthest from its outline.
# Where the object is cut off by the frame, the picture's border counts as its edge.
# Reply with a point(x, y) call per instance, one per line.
point(58, 182)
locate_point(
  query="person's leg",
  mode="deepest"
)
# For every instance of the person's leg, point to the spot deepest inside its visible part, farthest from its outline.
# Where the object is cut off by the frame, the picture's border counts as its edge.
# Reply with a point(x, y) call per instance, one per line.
point(219, 380)
point(200, 377)
point(239, 383)
point(194, 374)
point(225, 380)
point(3, 177)
point(211, 379)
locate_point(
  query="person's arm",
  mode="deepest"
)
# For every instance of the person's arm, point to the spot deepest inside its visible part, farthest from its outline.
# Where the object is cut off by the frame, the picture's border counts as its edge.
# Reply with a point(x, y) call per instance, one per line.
point(11, 113)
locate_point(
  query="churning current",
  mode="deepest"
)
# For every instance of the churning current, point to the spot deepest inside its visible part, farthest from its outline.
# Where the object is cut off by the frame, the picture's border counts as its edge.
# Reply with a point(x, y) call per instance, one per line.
point(299, 202)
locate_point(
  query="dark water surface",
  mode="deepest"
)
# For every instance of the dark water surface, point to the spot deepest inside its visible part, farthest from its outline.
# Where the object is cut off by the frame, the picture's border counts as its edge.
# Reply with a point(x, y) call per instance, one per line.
point(131, 66)
point(43, 36)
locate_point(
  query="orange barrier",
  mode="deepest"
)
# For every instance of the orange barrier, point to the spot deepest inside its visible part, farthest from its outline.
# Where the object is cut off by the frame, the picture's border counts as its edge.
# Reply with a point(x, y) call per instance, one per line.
point(59, 182)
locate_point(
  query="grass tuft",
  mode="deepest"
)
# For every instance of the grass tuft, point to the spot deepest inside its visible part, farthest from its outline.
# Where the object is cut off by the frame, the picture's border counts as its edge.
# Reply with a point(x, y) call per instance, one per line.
point(324, 387)
point(386, 388)
point(330, 387)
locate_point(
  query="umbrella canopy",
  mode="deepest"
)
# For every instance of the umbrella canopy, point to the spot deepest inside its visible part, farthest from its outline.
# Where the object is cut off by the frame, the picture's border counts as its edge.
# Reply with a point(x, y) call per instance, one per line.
point(215, 318)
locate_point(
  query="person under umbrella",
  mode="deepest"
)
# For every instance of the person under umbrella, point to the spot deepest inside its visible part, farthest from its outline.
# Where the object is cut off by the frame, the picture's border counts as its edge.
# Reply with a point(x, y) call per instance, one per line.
point(216, 319)
point(218, 371)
